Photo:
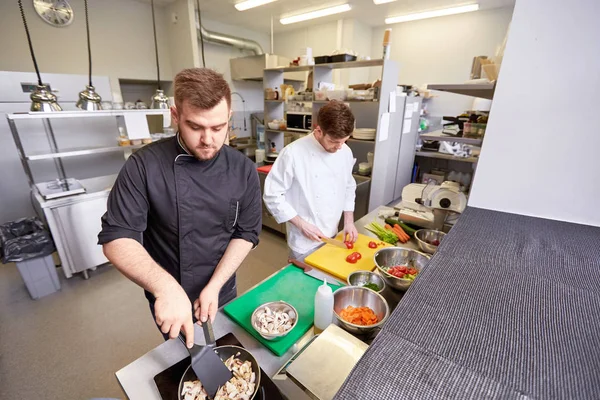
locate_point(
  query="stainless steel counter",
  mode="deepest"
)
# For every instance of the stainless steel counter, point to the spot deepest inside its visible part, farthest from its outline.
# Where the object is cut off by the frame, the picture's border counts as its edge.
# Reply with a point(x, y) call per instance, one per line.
point(136, 379)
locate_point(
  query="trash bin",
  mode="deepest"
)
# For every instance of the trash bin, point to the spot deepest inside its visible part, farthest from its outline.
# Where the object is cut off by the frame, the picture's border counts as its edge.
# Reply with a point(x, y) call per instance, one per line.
point(26, 243)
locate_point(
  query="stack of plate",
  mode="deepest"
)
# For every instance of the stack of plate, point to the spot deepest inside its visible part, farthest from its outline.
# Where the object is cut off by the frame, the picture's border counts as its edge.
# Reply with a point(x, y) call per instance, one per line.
point(364, 133)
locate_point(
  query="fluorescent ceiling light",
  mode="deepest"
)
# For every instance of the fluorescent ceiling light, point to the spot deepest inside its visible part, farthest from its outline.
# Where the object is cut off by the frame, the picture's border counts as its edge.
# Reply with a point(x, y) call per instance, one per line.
point(383, 1)
point(432, 14)
point(315, 14)
point(248, 4)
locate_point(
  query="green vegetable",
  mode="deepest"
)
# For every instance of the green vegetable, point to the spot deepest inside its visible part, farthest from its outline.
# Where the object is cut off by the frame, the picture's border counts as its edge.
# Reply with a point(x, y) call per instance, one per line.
point(372, 286)
point(382, 233)
point(409, 231)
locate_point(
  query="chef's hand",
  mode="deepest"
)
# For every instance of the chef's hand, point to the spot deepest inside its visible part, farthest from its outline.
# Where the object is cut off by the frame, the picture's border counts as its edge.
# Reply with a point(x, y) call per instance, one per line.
point(311, 231)
point(173, 312)
point(350, 232)
point(207, 304)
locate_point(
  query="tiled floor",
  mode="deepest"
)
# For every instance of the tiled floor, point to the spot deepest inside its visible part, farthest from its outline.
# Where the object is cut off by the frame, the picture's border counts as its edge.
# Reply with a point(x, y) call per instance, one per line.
point(68, 345)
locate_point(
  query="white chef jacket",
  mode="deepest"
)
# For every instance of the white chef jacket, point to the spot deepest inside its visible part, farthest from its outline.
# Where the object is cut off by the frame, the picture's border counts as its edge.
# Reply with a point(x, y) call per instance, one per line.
point(308, 181)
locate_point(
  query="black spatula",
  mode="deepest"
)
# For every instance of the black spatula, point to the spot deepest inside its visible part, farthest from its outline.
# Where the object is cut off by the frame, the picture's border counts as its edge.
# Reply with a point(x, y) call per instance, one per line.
point(207, 365)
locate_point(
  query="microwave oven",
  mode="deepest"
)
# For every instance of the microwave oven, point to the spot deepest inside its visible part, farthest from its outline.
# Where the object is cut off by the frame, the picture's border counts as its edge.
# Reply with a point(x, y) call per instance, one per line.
point(299, 121)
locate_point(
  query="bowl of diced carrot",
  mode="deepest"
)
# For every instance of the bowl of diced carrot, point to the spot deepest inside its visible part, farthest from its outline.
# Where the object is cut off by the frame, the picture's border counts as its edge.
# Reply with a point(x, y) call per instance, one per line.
point(359, 310)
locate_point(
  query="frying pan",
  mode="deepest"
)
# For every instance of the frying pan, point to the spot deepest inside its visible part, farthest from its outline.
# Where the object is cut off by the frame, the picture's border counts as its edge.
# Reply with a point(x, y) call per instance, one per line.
point(225, 352)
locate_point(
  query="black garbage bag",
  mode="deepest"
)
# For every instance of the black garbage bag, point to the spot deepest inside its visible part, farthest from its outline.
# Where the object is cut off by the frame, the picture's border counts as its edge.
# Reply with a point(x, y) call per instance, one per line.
point(24, 239)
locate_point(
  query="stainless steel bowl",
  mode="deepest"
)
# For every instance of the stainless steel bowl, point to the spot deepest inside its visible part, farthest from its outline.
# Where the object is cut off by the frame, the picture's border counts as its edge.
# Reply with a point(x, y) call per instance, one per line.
point(359, 297)
point(360, 278)
point(275, 306)
point(392, 256)
point(425, 236)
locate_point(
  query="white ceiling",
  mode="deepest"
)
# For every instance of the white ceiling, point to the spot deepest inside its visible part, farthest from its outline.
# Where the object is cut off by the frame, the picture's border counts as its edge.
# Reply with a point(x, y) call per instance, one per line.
point(259, 18)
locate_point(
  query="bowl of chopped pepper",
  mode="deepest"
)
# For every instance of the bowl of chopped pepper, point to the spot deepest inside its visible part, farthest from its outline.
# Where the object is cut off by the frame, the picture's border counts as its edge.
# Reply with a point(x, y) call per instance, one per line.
point(367, 279)
point(359, 310)
point(400, 266)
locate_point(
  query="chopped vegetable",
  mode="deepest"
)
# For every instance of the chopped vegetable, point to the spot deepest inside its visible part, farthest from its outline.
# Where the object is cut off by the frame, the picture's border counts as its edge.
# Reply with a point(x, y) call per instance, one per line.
point(352, 258)
point(359, 315)
point(349, 245)
point(357, 255)
point(403, 272)
point(372, 245)
point(241, 386)
point(372, 286)
point(382, 234)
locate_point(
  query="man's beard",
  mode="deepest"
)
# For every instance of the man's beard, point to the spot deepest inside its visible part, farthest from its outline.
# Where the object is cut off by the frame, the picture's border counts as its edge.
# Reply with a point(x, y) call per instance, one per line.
point(203, 153)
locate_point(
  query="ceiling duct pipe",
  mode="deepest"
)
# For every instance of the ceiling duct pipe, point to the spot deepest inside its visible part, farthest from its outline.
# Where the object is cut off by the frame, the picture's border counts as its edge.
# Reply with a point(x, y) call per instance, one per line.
point(228, 40)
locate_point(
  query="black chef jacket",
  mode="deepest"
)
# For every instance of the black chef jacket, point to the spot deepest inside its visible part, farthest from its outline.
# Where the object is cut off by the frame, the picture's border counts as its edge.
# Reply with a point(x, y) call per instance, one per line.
point(185, 211)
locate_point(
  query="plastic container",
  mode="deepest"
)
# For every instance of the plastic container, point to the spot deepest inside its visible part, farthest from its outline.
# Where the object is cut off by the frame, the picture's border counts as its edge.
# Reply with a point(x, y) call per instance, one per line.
point(323, 307)
point(342, 58)
point(322, 59)
point(39, 275)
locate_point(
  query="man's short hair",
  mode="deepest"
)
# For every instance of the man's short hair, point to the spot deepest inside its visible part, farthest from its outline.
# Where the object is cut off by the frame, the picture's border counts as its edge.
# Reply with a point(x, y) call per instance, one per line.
point(336, 119)
point(201, 87)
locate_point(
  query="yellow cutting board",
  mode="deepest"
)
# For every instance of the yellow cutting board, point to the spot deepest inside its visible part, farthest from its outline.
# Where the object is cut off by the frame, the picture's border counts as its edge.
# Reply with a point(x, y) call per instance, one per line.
point(332, 259)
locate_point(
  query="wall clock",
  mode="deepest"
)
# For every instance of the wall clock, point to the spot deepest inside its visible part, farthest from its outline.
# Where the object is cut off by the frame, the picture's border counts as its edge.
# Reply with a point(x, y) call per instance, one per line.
point(57, 13)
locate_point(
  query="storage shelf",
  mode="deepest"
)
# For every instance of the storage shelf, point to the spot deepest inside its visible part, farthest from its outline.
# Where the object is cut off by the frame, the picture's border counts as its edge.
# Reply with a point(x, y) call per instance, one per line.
point(274, 101)
point(441, 156)
point(339, 65)
point(361, 140)
point(82, 114)
point(483, 90)
point(348, 101)
point(80, 152)
point(439, 136)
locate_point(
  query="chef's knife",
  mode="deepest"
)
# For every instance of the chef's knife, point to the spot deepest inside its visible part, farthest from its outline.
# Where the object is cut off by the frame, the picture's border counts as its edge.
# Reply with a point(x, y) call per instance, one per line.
point(207, 365)
point(334, 242)
point(315, 273)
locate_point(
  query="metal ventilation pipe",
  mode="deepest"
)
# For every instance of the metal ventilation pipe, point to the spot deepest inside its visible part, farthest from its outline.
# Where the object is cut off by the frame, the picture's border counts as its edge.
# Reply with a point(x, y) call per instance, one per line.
point(228, 40)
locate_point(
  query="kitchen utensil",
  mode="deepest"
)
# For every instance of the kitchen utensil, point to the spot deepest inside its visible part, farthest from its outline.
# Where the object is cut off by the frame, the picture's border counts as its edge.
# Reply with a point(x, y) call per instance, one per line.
point(206, 364)
point(316, 273)
point(392, 256)
point(333, 259)
point(289, 285)
point(168, 381)
point(360, 278)
point(223, 353)
point(275, 306)
point(324, 365)
point(359, 297)
point(334, 242)
point(426, 236)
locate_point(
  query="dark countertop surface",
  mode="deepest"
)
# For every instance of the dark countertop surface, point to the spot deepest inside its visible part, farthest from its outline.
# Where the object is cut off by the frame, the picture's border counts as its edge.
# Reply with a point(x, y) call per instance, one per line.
point(508, 308)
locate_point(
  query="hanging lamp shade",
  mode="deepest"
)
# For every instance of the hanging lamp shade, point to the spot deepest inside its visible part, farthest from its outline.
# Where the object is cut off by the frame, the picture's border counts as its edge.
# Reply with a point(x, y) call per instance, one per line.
point(89, 100)
point(159, 100)
point(42, 99)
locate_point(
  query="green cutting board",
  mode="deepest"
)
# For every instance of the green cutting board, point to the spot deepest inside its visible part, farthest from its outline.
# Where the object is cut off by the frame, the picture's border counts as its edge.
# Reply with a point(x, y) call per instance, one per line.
point(290, 285)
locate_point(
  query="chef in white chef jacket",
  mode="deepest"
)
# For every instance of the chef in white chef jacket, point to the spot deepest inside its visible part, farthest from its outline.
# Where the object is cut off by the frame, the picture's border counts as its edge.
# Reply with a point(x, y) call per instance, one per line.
point(311, 185)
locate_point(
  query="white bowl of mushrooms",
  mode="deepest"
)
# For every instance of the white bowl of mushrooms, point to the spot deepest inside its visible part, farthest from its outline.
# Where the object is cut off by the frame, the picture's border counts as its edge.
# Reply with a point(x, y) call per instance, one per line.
point(274, 320)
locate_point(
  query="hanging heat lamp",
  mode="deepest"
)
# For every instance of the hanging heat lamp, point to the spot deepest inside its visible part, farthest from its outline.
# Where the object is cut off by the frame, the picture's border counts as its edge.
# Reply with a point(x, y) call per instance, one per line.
point(89, 100)
point(42, 99)
point(159, 100)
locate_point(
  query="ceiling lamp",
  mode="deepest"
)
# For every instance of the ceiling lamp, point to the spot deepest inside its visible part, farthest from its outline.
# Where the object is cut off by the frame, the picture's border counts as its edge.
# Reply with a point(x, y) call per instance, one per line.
point(89, 100)
point(315, 14)
point(248, 4)
point(41, 98)
point(377, 2)
point(432, 14)
point(159, 100)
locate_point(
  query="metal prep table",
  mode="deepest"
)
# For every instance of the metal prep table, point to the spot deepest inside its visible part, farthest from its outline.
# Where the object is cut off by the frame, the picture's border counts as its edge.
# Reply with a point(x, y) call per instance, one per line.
point(75, 223)
point(137, 378)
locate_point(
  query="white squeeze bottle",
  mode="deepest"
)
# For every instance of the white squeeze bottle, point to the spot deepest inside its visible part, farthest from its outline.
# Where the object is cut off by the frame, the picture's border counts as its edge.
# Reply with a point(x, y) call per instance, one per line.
point(323, 307)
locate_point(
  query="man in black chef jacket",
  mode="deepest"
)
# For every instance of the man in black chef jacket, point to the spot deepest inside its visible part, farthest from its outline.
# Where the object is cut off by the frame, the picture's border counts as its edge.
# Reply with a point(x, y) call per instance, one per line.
point(184, 212)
